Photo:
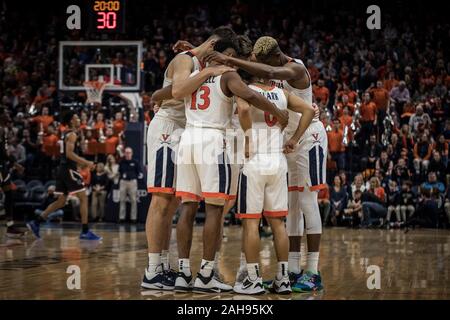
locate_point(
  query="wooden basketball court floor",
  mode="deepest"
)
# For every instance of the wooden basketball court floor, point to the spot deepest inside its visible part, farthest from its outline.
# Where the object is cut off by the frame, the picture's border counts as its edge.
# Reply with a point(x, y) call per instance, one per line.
point(415, 265)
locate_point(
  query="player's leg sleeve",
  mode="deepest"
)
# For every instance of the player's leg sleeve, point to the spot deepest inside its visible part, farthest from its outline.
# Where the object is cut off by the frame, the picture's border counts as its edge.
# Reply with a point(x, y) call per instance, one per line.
point(310, 208)
point(294, 221)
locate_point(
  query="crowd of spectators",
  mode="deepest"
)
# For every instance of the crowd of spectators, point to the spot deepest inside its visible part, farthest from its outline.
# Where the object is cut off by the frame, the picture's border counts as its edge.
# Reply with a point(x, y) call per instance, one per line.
point(383, 94)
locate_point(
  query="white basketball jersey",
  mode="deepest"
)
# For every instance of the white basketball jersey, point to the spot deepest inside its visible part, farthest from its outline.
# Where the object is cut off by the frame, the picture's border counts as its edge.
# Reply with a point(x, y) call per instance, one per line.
point(235, 124)
point(209, 107)
point(306, 94)
point(174, 109)
point(266, 134)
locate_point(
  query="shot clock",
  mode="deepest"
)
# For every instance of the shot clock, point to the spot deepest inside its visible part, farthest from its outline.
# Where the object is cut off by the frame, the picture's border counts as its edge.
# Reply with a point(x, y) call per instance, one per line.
point(106, 16)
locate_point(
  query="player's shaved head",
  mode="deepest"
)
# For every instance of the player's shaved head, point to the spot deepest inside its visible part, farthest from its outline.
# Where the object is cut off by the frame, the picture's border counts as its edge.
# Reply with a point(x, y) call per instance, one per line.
point(265, 47)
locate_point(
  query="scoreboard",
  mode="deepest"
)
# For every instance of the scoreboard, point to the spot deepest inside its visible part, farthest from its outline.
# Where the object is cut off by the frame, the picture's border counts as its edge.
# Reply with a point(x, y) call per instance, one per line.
point(106, 16)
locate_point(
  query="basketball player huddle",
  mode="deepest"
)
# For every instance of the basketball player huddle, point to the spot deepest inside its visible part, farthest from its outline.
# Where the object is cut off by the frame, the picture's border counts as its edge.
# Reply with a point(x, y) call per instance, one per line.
point(236, 125)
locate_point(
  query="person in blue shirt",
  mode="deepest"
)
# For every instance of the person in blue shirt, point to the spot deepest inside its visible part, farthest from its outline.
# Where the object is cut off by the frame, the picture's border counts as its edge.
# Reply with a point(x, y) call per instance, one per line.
point(432, 184)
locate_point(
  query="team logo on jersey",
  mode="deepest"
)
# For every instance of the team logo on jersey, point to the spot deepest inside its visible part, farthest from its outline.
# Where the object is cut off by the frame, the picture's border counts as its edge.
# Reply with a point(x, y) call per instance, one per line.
point(165, 137)
point(316, 137)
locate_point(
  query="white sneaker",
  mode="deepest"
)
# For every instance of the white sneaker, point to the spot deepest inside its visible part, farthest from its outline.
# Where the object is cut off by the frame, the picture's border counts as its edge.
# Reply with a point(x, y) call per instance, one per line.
point(183, 283)
point(282, 286)
point(221, 284)
point(240, 276)
point(250, 286)
point(210, 285)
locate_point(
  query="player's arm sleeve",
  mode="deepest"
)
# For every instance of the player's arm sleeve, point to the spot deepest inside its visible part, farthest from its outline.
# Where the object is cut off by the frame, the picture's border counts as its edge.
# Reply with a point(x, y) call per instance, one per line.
point(241, 90)
point(182, 84)
point(299, 105)
point(290, 71)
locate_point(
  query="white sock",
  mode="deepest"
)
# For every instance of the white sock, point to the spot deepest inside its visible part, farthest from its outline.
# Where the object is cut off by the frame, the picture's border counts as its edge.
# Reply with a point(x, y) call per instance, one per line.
point(154, 263)
point(312, 262)
point(282, 270)
point(165, 259)
point(216, 262)
point(206, 267)
point(253, 271)
point(294, 262)
point(184, 265)
point(242, 261)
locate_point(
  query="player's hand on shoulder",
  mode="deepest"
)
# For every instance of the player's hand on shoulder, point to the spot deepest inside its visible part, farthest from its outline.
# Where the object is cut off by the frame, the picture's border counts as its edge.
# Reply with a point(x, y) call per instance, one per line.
point(216, 57)
point(182, 45)
point(218, 70)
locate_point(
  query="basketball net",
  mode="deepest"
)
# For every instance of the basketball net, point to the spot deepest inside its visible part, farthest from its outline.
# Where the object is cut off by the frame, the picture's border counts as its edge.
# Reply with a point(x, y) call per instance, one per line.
point(94, 90)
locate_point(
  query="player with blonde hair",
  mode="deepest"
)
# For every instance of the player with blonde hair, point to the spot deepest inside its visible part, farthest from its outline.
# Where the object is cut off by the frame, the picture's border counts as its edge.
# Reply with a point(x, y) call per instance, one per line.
point(306, 165)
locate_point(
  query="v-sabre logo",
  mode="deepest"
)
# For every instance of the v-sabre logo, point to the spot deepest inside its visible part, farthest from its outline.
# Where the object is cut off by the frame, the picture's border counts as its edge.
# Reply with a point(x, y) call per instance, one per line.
point(165, 137)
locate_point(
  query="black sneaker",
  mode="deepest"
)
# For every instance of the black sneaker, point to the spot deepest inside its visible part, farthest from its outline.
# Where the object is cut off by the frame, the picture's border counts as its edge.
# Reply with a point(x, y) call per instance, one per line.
point(14, 232)
point(156, 281)
point(171, 276)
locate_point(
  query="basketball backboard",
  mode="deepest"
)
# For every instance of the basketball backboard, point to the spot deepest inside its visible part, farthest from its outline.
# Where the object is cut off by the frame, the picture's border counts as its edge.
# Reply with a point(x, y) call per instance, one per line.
point(116, 62)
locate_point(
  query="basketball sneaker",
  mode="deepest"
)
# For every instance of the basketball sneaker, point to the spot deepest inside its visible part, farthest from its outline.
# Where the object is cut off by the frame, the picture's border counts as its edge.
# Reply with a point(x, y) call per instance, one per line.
point(183, 283)
point(308, 282)
point(240, 276)
point(156, 281)
point(210, 285)
point(282, 286)
point(171, 275)
point(34, 227)
point(222, 285)
point(14, 232)
point(89, 236)
point(293, 278)
point(251, 287)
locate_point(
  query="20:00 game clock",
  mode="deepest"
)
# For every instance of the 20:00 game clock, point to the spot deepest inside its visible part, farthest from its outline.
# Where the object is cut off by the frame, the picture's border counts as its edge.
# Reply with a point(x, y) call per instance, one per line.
point(106, 16)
